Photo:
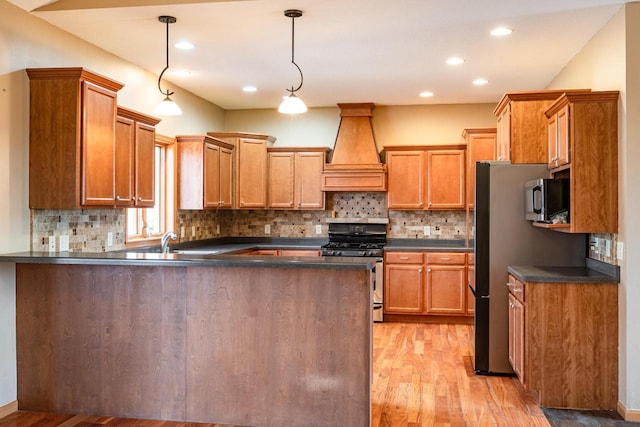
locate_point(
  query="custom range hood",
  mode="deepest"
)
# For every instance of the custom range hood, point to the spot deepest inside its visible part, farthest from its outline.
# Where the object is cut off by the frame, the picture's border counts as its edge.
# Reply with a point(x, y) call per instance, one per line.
point(355, 164)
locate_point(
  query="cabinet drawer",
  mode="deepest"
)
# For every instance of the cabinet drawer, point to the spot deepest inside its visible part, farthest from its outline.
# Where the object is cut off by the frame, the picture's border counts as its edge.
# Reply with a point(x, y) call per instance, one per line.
point(446, 258)
point(403, 257)
point(516, 288)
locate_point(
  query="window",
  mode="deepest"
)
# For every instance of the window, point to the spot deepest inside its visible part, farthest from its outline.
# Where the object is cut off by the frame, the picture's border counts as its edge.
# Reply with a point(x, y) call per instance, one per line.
point(152, 223)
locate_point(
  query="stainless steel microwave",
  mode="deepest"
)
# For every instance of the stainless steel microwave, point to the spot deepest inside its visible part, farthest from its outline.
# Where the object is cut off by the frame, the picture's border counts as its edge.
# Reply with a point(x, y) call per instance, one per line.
point(547, 200)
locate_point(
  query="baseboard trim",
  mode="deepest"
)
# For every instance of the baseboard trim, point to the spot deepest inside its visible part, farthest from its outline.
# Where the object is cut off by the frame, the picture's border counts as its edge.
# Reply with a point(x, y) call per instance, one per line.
point(628, 414)
point(8, 409)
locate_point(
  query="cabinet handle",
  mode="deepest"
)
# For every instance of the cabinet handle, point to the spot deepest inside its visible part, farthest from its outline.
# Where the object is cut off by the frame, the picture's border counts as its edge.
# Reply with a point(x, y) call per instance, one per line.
point(430, 204)
point(419, 270)
point(421, 204)
point(445, 259)
point(428, 270)
point(404, 257)
point(117, 198)
point(139, 199)
point(500, 158)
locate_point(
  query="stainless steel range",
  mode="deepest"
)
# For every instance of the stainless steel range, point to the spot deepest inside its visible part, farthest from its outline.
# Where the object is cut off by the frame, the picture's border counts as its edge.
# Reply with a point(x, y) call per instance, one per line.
point(361, 240)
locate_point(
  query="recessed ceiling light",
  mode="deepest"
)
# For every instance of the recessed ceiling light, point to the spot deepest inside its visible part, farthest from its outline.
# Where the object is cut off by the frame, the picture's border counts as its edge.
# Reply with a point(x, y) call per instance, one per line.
point(480, 82)
point(249, 89)
point(426, 94)
point(181, 73)
point(185, 45)
point(455, 61)
point(501, 31)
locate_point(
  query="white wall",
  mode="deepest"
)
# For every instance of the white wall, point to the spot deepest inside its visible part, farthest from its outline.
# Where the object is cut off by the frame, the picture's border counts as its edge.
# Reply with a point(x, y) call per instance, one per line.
point(29, 42)
point(611, 61)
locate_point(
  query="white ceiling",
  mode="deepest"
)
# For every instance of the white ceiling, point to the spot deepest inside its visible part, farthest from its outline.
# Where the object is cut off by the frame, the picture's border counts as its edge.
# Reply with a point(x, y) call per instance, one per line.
point(381, 51)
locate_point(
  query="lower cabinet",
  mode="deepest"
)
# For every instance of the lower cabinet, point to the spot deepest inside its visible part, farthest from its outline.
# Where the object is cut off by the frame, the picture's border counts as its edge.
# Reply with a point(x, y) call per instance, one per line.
point(563, 342)
point(426, 284)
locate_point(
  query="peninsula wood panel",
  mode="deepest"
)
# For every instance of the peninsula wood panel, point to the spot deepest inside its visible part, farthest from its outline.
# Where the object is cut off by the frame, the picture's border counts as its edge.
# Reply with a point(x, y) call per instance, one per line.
point(245, 346)
point(571, 344)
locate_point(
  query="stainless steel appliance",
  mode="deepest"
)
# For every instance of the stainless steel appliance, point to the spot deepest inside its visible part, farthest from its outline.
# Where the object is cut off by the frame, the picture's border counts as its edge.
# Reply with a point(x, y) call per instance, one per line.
point(546, 197)
point(504, 237)
point(361, 240)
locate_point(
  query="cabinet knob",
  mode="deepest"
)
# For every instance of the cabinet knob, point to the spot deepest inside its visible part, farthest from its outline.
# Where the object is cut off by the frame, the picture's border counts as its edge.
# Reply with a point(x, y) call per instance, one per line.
point(419, 270)
point(428, 270)
point(139, 199)
point(430, 204)
point(221, 202)
point(421, 204)
point(118, 198)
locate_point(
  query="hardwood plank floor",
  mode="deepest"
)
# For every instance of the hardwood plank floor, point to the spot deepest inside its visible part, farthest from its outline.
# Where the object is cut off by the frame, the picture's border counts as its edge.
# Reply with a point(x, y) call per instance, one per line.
point(422, 376)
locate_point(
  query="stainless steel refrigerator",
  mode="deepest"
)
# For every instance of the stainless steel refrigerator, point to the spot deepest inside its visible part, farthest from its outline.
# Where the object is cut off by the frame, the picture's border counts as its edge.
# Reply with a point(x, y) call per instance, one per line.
point(504, 237)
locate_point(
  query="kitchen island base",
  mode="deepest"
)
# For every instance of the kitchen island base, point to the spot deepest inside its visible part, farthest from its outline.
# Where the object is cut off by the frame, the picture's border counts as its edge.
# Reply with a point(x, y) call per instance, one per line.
point(262, 346)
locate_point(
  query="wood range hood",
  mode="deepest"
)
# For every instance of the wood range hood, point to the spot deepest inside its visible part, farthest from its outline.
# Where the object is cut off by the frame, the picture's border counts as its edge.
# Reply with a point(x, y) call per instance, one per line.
point(355, 163)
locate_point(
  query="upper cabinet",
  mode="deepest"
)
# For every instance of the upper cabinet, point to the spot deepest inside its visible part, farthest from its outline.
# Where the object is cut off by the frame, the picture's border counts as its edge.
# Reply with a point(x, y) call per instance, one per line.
point(205, 173)
point(135, 159)
point(583, 145)
point(426, 177)
point(295, 178)
point(481, 145)
point(72, 139)
point(522, 125)
point(250, 167)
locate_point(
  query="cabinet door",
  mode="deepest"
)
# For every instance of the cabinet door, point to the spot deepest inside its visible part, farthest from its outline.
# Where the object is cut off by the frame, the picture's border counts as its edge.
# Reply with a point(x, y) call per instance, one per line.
point(563, 150)
point(211, 176)
point(445, 179)
point(446, 289)
point(553, 141)
point(281, 180)
point(125, 154)
point(298, 252)
point(98, 146)
point(479, 147)
point(503, 142)
point(516, 337)
point(403, 289)
point(226, 178)
point(308, 180)
point(145, 142)
point(251, 175)
point(405, 179)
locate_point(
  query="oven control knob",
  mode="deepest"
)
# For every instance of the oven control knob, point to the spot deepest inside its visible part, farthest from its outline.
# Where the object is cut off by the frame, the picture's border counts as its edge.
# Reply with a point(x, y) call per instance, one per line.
point(338, 253)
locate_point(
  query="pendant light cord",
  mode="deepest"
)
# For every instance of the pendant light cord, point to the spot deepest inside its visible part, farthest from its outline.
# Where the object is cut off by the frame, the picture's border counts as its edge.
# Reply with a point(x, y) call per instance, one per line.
point(168, 92)
point(293, 32)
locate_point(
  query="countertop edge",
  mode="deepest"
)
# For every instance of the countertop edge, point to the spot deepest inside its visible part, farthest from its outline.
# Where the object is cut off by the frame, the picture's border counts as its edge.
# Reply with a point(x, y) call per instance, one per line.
point(539, 274)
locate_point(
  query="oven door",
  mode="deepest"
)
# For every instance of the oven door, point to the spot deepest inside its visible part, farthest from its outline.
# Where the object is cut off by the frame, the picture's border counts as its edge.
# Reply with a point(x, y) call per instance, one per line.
point(378, 287)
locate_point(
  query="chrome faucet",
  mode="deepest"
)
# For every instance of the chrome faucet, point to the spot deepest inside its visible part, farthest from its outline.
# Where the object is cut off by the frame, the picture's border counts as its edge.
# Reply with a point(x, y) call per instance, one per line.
point(164, 242)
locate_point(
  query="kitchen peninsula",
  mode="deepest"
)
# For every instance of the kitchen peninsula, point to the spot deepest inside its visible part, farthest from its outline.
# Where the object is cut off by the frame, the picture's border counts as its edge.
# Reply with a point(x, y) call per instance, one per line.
point(246, 340)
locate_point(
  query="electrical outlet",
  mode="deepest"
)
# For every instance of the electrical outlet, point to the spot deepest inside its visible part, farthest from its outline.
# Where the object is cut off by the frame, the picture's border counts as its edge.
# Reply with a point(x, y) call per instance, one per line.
point(620, 251)
point(267, 229)
point(182, 232)
point(109, 238)
point(217, 228)
point(52, 243)
point(64, 243)
point(318, 229)
point(193, 231)
point(426, 230)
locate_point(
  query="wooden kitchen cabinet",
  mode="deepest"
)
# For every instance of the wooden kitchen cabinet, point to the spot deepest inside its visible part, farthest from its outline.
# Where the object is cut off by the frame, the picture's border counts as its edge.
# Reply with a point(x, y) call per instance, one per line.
point(404, 283)
point(250, 167)
point(522, 125)
point(481, 145)
point(563, 342)
point(585, 126)
point(205, 171)
point(295, 178)
point(72, 139)
point(426, 177)
point(135, 159)
point(446, 283)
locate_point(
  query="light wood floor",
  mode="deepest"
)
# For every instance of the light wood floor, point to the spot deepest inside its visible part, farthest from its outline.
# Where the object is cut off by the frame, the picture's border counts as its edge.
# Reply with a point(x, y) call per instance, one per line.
point(422, 376)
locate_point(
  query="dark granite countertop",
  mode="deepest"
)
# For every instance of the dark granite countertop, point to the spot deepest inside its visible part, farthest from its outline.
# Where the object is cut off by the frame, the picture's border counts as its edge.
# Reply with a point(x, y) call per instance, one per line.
point(427, 245)
point(593, 272)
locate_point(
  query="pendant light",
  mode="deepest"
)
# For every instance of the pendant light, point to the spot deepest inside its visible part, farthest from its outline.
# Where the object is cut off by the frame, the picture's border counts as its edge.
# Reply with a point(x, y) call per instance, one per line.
point(292, 104)
point(167, 107)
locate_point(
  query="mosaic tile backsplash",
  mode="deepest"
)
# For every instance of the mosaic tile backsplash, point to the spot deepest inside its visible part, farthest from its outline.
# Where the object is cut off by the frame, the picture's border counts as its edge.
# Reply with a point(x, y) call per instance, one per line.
point(88, 229)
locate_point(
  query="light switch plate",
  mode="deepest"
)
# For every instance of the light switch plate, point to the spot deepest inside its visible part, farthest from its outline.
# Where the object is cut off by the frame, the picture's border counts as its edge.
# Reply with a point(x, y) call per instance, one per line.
point(52, 243)
point(318, 229)
point(426, 230)
point(182, 232)
point(267, 229)
point(217, 228)
point(193, 231)
point(620, 250)
point(64, 243)
point(109, 238)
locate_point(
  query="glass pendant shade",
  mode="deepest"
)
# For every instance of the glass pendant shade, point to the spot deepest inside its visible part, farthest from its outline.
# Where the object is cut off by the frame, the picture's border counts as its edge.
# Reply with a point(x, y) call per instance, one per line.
point(167, 108)
point(292, 105)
